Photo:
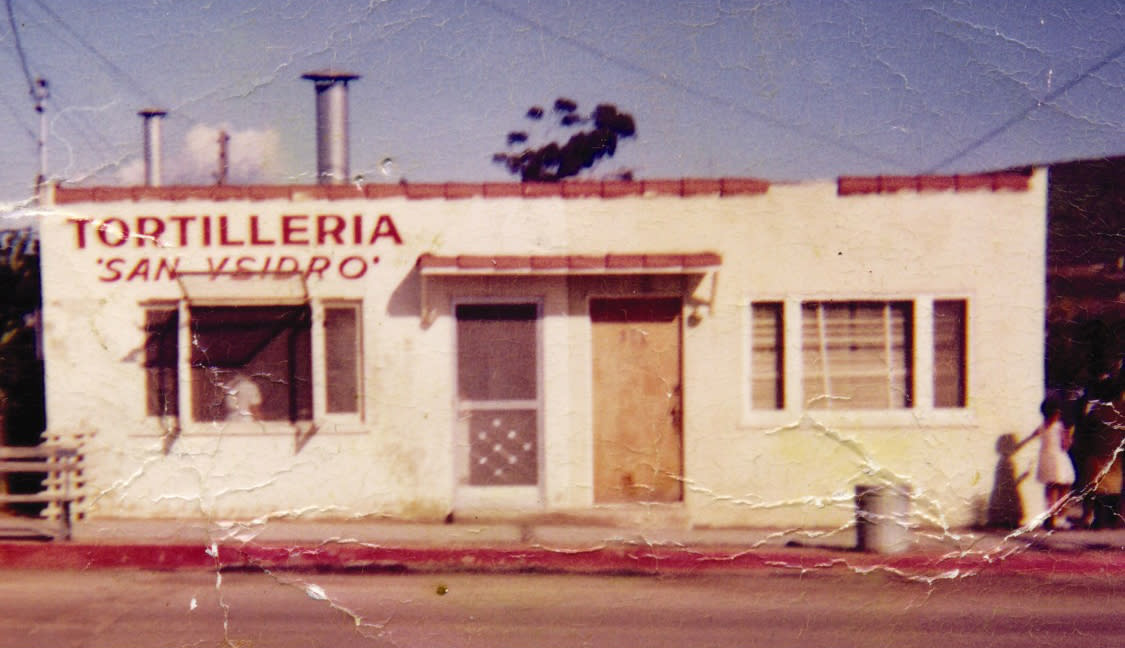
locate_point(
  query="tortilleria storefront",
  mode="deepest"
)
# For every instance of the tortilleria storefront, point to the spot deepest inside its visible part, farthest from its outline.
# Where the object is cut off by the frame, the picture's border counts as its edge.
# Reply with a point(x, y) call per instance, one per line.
point(730, 352)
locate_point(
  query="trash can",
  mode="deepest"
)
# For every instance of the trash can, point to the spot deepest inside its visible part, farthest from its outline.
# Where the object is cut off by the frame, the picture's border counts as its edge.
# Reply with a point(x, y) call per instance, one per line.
point(883, 518)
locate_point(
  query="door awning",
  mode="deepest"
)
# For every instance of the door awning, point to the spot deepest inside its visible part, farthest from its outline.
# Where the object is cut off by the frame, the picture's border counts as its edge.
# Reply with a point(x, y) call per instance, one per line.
point(207, 288)
point(569, 264)
point(688, 265)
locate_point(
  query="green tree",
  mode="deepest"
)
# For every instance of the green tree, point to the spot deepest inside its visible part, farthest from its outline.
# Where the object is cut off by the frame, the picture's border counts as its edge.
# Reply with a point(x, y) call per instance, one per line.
point(598, 135)
point(21, 367)
point(22, 400)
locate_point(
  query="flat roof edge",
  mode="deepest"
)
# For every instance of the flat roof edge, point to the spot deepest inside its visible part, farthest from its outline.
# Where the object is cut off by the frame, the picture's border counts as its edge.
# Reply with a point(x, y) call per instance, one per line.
point(1008, 180)
point(684, 187)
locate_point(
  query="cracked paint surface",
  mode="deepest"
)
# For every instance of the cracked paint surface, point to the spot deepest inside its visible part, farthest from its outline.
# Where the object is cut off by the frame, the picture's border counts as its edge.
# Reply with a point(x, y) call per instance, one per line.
point(832, 90)
point(810, 90)
point(258, 492)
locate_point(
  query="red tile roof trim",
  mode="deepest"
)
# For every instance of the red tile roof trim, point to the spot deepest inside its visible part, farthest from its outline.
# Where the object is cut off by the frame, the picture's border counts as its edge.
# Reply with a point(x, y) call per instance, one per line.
point(567, 263)
point(550, 263)
point(419, 191)
point(1018, 180)
point(702, 260)
point(580, 262)
point(624, 261)
point(998, 181)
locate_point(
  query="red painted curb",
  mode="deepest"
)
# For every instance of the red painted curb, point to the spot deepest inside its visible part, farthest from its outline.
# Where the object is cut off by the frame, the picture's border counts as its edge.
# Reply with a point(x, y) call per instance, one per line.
point(640, 560)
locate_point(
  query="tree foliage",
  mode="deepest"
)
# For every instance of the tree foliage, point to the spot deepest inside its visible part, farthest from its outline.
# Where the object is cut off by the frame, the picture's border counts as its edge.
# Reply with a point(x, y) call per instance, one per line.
point(21, 368)
point(598, 135)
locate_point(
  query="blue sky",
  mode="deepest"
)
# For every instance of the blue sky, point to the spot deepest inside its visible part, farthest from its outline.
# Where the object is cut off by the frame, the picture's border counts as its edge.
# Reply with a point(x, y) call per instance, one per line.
point(770, 89)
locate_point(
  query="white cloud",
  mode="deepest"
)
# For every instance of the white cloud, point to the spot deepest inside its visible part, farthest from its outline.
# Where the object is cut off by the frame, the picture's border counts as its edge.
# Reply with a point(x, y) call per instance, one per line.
point(251, 155)
point(131, 172)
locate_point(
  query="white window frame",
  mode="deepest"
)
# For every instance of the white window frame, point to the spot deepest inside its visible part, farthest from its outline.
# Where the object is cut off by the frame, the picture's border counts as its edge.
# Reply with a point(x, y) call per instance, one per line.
point(923, 410)
point(320, 360)
point(322, 422)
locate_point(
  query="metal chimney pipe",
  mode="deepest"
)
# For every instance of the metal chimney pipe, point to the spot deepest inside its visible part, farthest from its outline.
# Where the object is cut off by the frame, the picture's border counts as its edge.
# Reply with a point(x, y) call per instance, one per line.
point(152, 119)
point(331, 125)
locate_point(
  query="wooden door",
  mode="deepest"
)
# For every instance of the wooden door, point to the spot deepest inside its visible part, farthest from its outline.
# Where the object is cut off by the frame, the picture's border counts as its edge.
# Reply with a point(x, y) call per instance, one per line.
point(638, 446)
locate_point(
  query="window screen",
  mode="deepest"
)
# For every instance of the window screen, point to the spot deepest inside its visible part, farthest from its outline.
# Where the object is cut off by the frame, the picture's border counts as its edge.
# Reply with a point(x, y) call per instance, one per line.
point(497, 387)
point(496, 351)
point(341, 358)
point(162, 392)
point(858, 354)
point(767, 361)
point(949, 353)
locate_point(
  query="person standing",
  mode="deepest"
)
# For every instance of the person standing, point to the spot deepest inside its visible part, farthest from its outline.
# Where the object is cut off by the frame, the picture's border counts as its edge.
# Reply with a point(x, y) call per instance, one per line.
point(1102, 437)
point(242, 399)
point(1054, 469)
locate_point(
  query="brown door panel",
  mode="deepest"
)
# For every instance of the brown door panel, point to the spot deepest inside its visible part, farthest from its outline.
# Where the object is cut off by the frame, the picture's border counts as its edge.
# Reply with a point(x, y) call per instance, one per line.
point(637, 399)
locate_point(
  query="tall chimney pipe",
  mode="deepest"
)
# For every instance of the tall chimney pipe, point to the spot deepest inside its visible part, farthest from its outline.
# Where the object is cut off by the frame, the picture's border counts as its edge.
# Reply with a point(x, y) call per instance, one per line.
point(331, 125)
point(152, 118)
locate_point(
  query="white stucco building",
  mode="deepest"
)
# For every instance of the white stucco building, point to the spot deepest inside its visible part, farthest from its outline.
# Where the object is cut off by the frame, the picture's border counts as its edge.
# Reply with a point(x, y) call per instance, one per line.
point(726, 351)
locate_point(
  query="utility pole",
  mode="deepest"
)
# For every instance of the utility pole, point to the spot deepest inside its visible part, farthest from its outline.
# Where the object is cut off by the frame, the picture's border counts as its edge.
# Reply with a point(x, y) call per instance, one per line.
point(224, 159)
point(39, 93)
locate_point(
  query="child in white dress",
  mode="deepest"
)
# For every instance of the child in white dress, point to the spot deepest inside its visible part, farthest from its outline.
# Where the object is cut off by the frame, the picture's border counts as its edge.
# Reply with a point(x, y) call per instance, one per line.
point(1055, 471)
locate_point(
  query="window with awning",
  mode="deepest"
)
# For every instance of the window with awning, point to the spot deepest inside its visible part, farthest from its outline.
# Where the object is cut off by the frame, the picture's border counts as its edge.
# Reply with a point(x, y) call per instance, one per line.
point(251, 362)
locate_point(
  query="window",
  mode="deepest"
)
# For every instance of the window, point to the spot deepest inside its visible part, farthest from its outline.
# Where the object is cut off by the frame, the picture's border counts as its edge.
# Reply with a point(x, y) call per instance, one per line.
point(498, 393)
point(162, 391)
point(341, 358)
point(949, 353)
point(251, 363)
point(858, 354)
point(767, 356)
point(254, 363)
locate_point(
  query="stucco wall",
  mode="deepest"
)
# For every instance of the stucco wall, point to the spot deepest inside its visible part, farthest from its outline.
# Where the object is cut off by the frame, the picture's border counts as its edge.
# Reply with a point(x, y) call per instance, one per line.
point(794, 467)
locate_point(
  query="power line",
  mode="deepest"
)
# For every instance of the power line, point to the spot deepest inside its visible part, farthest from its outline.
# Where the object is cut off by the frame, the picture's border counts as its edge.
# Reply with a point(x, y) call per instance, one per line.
point(38, 89)
point(1023, 114)
point(137, 87)
point(17, 117)
point(19, 50)
point(689, 88)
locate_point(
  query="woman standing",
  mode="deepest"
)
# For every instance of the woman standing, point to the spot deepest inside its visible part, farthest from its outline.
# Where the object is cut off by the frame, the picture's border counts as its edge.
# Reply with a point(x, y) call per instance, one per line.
point(1102, 437)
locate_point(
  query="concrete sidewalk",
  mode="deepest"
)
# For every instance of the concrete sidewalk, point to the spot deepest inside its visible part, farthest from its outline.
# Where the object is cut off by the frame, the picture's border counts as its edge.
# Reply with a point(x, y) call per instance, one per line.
point(548, 544)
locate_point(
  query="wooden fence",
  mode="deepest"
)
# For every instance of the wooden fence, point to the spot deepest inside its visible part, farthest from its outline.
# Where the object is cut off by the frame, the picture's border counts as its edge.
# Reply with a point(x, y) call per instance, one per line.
point(62, 467)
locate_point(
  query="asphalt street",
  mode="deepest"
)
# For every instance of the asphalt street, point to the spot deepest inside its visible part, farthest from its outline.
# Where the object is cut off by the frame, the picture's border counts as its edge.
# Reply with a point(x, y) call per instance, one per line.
point(776, 608)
